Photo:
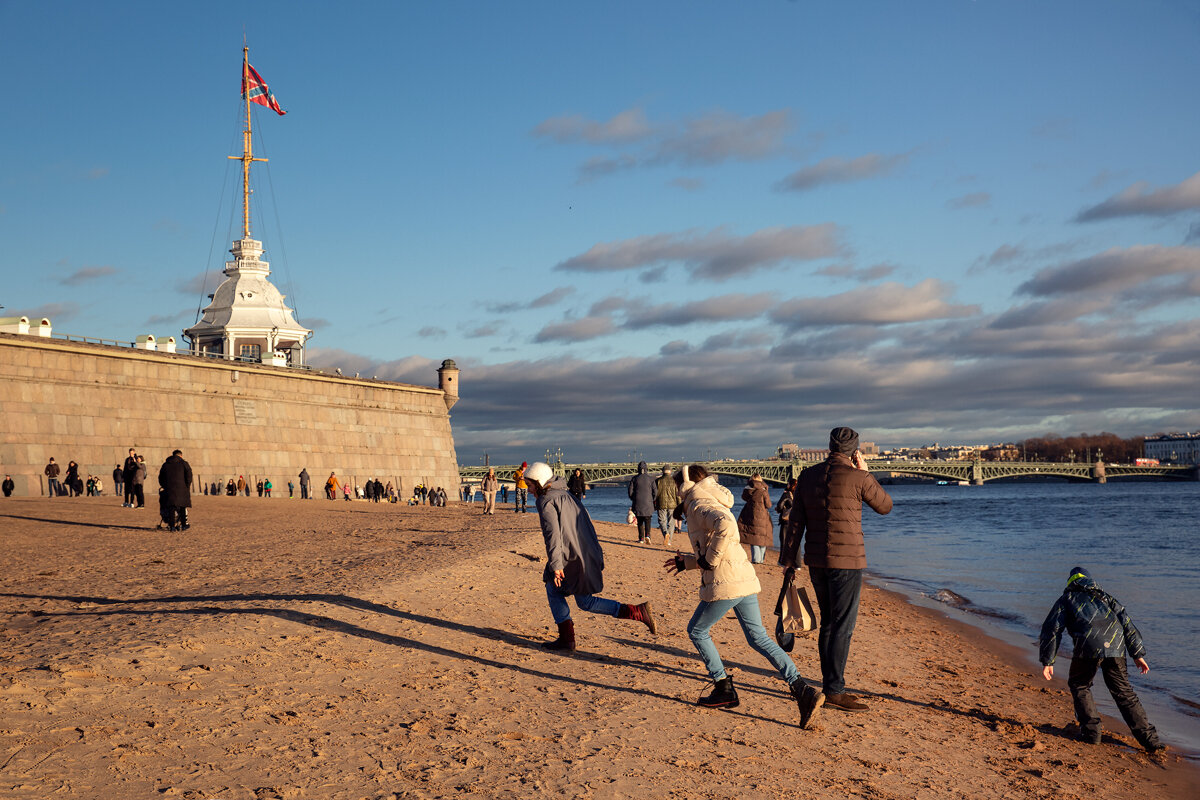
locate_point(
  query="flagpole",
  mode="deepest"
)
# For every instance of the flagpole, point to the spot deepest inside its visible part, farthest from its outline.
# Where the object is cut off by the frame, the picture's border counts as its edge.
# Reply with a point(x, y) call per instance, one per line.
point(247, 155)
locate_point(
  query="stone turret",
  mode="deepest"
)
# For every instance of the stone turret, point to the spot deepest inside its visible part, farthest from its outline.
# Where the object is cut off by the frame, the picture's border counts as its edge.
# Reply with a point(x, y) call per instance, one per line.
point(448, 382)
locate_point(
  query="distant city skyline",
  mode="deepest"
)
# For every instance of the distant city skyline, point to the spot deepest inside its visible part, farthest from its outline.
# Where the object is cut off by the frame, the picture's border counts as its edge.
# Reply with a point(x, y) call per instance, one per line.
point(667, 228)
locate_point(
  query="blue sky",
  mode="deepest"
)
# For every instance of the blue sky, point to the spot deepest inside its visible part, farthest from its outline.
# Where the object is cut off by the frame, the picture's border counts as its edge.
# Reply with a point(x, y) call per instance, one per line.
point(662, 228)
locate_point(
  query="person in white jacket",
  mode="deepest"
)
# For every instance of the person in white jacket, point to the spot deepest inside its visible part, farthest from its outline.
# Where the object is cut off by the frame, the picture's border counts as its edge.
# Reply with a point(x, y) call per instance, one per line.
point(727, 583)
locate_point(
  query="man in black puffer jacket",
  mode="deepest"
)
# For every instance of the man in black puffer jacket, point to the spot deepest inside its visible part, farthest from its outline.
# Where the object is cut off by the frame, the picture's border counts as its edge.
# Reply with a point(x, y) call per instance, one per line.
point(1103, 634)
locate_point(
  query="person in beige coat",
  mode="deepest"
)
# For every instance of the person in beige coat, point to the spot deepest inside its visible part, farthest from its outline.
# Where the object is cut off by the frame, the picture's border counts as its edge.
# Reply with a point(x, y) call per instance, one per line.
point(727, 583)
point(489, 487)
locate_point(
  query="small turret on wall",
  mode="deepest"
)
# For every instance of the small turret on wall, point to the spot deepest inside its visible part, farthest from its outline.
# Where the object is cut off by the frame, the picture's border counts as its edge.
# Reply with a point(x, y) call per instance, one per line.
point(448, 382)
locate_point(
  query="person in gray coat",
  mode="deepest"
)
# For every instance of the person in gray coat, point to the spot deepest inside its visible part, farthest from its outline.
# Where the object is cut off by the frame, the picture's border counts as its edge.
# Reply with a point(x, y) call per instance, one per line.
point(574, 560)
point(642, 492)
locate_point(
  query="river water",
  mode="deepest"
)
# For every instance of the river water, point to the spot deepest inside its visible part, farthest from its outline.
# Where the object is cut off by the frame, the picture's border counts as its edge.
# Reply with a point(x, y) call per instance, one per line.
point(998, 556)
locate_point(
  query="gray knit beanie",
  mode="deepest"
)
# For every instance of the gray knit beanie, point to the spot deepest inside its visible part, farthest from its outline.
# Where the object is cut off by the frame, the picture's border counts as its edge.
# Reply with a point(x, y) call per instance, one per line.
point(843, 440)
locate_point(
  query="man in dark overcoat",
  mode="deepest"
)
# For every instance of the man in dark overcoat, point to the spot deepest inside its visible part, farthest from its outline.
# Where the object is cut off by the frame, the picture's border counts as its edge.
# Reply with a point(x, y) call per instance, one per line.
point(175, 481)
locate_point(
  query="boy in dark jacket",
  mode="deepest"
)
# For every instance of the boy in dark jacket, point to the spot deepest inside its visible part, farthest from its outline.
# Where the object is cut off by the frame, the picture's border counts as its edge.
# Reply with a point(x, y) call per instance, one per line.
point(1103, 634)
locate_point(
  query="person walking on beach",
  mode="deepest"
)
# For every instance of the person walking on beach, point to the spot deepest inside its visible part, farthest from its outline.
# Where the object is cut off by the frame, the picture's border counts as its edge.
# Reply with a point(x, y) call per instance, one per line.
point(783, 507)
point(118, 475)
point(522, 487)
point(827, 516)
point(574, 560)
point(74, 484)
point(666, 500)
point(128, 471)
point(754, 523)
point(139, 481)
point(642, 493)
point(576, 485)
point(1103, 635)
point(304, 483)
point(727, 583)
point(490, 485)
point(332, 486)
point(8, 486)
point(175, 483)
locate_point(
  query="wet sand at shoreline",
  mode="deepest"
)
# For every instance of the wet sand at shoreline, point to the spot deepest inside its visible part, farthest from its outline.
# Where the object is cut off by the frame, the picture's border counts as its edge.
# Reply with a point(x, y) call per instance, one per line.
point(334, 649)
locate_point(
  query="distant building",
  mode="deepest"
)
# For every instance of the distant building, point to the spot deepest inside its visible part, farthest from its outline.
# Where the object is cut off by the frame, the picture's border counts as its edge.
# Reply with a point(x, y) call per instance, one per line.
point(1174, 448)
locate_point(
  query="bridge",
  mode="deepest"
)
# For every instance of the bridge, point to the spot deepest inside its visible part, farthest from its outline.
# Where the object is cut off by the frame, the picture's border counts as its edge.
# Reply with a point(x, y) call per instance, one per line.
point(780, 472)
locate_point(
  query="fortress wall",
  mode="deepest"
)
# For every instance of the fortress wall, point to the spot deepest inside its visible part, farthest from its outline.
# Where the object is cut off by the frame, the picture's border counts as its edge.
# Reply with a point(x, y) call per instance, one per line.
point(90, 403)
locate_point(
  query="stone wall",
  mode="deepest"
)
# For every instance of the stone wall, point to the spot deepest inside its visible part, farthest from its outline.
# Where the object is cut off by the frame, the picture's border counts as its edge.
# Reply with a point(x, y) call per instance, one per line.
point(90, 403)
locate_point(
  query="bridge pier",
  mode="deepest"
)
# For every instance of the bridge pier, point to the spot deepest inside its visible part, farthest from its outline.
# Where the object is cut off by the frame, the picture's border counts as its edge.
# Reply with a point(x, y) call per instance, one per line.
point(977, 473)
point(1098, 472)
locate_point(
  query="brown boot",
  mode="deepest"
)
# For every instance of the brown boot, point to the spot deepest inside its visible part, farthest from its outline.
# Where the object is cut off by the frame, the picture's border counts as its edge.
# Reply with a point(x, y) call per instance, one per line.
point(639, 613)
point(844, 702)
point(566, 637)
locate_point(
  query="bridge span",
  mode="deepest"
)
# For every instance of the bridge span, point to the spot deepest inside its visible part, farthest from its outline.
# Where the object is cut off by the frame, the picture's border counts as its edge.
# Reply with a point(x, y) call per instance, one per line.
point(779, 472)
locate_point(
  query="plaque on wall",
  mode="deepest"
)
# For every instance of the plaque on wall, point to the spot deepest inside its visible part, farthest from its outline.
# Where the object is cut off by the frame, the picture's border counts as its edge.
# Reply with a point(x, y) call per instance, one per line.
point(245, 412)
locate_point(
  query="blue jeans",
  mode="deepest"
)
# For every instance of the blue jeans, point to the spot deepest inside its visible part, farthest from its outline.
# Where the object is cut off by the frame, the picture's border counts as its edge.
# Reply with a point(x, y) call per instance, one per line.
point(666, 521)
point(586, 602)
point(53, 487)
point(837, 592)
point(757, 553)
point(746, 609)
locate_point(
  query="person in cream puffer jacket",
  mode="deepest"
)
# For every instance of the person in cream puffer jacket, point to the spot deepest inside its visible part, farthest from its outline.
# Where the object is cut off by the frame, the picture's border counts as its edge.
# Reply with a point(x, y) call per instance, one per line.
point(727, 582)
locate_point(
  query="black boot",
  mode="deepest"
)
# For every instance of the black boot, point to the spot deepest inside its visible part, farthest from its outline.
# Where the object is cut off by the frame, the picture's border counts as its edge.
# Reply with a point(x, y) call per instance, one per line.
point(566, 637)
point(722, 695)
point(808, 698)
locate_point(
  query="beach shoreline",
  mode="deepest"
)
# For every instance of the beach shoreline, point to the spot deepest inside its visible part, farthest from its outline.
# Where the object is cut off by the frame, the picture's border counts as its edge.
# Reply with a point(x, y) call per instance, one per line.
point(368, 650)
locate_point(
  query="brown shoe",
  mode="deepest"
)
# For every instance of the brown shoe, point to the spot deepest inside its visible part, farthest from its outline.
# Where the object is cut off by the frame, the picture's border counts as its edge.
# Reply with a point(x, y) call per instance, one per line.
point(845, 702)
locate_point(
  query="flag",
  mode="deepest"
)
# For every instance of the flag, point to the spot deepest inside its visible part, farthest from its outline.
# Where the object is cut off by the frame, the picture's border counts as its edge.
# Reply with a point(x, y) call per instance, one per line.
point(253, 84)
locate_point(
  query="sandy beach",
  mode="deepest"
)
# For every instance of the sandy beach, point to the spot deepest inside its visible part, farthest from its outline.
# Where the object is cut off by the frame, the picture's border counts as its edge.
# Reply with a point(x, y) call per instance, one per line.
point(282, 649)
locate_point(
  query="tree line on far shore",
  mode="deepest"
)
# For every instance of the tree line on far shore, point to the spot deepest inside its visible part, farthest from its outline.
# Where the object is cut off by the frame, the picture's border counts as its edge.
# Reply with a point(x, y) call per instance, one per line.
point(1053, 447)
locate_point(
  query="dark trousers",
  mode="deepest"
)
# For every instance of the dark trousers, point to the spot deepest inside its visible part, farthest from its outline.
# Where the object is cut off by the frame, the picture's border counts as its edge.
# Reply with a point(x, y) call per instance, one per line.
point(52, 487)
point(837, 592)
point(138, 496)
point(1116, 678)
point(303, 491)
point(129, 493)
point(643, 526)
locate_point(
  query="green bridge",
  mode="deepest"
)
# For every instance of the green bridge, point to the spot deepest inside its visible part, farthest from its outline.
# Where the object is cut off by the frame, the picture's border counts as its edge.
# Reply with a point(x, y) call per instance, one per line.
point(779, 472)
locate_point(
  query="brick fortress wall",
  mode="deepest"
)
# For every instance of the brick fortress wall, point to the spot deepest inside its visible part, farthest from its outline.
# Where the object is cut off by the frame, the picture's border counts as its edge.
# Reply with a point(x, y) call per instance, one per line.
point(90, 403)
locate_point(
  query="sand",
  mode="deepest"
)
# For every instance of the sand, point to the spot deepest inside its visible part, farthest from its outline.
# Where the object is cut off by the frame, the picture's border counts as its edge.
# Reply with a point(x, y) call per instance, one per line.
point(283, 649)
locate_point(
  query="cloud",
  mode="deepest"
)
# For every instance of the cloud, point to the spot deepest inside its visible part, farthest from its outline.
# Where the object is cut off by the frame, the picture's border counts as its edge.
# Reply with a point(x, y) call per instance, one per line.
point(87, 274)
point(488, 329)
point(715, 255)
point(886, 304)
point(720, 136)
point(578, 330)
point(431, 332)
point(714, 309)
point(954, 378)
point(863, 275)
point(552, 297)
point(1113, 270)
point(1139, 199)
point(972, 200)
point(713, 138)
point(96, 173)
point(316, 323)
point(840, 170)
point(627, 126)
point(55, 312)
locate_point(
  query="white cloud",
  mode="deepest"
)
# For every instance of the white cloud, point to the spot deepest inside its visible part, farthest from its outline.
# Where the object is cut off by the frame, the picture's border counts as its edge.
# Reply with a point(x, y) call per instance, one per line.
point(840, 170)
point(886, 304)
point(1139, 199)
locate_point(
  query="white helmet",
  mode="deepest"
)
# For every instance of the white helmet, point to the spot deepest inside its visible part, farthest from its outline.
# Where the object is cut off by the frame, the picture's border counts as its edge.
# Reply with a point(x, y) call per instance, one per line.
point(539, 472)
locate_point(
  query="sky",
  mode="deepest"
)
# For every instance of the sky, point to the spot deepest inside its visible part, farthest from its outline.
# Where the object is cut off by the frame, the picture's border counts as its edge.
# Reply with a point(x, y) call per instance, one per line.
point(671, 230)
